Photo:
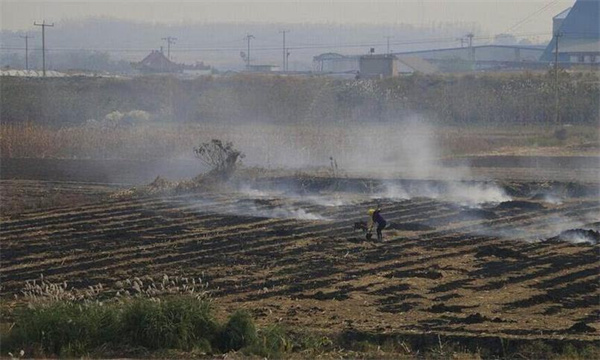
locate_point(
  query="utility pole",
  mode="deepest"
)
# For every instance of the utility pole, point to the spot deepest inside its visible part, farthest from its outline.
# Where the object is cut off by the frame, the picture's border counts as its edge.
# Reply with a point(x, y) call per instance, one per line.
point(284, 50)
point(170, 40)
point(287, 59)
point(470, 37)
point(388, 43)
point(557, 36)
point(248, 37)
point(26, 37)
point(44, 25)
point(462, 41)
point(471, 50)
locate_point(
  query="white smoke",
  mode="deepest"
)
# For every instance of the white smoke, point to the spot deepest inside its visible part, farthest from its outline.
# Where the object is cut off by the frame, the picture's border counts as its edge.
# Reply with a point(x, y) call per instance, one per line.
point(326, 201)
point(273, 208)
point(393, 192)
point(251, 201)
point(552, 199)
point(251, 192)
point(330, 200)
point(577, 238)
point(474, 195)
point(464, 194)
point(282, 212)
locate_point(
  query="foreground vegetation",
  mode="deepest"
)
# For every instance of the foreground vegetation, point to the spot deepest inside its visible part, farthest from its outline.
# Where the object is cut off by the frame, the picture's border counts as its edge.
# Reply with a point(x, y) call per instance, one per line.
point(185, 326)
point(446, 99)
point(134, 327)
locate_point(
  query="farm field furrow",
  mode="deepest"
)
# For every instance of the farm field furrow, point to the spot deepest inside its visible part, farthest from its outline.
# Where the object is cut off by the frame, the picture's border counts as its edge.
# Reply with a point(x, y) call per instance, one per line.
point(443, 267)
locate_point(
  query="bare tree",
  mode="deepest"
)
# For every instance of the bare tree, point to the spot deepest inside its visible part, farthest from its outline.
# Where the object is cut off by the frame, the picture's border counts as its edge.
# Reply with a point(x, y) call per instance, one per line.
point(221, 156)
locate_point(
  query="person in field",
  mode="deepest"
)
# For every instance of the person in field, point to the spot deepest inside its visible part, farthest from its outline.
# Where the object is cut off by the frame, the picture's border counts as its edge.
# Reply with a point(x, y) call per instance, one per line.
point(376, 218)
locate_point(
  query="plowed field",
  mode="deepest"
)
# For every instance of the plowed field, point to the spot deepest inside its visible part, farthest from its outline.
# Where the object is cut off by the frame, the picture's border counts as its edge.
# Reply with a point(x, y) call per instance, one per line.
point(442, 268)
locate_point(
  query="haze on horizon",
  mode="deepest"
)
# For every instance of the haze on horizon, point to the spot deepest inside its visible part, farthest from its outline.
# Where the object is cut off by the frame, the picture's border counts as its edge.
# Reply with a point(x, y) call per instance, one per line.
point(532, 17)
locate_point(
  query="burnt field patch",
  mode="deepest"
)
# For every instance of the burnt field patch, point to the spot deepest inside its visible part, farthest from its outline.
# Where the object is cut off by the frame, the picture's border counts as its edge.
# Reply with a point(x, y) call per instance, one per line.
point(442, 267)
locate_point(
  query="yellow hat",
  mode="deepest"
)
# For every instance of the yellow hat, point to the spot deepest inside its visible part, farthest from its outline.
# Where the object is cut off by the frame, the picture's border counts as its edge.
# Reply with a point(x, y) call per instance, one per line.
point(371, 211)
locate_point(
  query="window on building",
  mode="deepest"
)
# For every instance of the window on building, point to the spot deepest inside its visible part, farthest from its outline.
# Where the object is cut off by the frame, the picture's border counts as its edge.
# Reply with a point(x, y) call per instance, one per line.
point(581, 58)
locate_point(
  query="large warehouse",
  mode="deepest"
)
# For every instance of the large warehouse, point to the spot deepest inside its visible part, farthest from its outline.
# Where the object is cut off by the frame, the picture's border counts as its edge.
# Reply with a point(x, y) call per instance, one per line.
point(480, 58)
point(578, 33)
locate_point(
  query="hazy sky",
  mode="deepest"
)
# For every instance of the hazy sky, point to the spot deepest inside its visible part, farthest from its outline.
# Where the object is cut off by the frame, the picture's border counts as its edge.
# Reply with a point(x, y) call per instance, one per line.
point(493, 16)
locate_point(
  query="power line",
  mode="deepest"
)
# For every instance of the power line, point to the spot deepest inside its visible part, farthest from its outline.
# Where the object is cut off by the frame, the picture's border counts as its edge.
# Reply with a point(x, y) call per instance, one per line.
point(388, 44)
point(470, 36)
point(537, 12)
point(274, 48)
point(43, 25)
point(557, 36)
point(284, 65)
point(26, 37)
point(170, 40)
point(248, 38)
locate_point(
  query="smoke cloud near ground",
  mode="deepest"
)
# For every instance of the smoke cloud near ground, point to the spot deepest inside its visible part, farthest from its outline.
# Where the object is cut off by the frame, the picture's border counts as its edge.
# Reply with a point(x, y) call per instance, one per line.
point(464, 194)
point(403, 158)
point(407, 145)
point(406, 149)
point(257, 203)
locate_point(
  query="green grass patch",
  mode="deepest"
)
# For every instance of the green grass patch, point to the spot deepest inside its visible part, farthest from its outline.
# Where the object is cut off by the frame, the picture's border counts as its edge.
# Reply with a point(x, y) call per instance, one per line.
point(64, 329)
point(175, 323)
point(238, 333)
point(78, 329)
point(183, 326)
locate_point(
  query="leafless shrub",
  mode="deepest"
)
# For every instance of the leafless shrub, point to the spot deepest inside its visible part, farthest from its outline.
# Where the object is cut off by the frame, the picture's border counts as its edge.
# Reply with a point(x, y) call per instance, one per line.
point(221, 156)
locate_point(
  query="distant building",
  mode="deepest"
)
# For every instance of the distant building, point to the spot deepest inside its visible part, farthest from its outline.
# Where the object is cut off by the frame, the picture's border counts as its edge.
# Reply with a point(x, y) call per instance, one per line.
point(262, 68)
point(480, 58)
point(335, 63)
point(370, 66)
point(457, 59)
point(579, 35)
point(410, 64)
point(558, 20)
point(157, 63)
point(377, 66)
point(198, 69)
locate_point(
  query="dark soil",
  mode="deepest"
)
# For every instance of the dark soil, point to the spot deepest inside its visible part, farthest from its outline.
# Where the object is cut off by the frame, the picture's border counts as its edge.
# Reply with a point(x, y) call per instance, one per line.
point(519, 204)
point(497, 251)
point(582, 327)
point(410, 227)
